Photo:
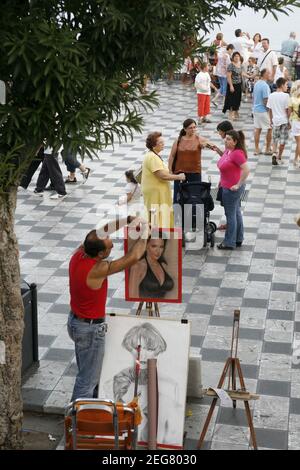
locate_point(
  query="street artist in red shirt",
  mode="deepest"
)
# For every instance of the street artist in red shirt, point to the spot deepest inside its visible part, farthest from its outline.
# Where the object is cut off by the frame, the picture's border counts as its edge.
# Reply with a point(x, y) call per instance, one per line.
point(88, 272)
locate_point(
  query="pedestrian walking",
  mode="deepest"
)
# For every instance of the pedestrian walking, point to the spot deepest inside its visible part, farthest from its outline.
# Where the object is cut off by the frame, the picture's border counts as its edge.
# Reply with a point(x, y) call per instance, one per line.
point(261, 93)
point(50, 171)
point(203, 86)
point(268, 60)
point(294, 111)
point(288, 48)
point(278, 106)
point(296, 62)
point(234, 87)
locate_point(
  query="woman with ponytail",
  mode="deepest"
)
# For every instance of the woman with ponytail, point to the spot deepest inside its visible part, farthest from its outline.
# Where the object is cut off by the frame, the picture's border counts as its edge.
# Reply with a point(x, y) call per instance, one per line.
point(185, 156)
point(234, 171)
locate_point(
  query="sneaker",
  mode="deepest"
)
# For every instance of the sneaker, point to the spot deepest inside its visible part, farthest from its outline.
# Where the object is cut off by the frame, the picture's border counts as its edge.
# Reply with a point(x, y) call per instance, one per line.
point(274, 160)
point(68, 181)
point(38, 193)
point(85, 174)
point(57, 196)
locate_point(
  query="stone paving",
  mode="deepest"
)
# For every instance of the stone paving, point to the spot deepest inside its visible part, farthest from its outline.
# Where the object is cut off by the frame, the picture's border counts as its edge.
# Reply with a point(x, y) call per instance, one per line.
point(260, 278)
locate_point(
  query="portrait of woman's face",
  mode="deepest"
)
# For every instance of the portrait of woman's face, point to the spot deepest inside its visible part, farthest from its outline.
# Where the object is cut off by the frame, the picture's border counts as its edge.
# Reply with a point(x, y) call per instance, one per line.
point(156, 277)
point(155, 248)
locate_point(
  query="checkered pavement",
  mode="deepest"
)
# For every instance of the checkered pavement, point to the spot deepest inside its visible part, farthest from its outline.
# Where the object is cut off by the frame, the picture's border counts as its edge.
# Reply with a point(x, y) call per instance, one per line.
point(260, 278)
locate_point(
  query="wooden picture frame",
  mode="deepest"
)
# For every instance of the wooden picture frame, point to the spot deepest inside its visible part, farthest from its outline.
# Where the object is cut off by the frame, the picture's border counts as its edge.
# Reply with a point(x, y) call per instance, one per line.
point(141, 283)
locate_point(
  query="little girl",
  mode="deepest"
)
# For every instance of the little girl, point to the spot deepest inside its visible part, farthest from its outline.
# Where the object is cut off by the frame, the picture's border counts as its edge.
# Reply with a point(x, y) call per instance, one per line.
point(132, 190)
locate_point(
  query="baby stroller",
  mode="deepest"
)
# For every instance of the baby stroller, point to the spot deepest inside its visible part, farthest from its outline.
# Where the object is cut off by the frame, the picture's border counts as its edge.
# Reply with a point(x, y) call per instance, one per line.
point(190, 195)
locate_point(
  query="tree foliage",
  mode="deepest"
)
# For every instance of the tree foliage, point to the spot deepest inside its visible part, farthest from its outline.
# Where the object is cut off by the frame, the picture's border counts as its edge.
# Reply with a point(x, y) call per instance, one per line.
point(64, 63)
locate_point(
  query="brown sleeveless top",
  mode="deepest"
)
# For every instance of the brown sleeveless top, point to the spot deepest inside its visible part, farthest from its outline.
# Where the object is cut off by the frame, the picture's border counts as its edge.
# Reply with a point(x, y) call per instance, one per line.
point(188, 156)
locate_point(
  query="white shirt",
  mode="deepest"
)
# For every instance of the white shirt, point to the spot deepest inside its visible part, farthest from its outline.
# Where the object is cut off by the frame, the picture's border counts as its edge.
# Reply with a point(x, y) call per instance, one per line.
point(241, 45)
point(257, 50)
point(267, 60)
point(202, 83)
point(280, 73)
point(133, 189)
point(278, 102)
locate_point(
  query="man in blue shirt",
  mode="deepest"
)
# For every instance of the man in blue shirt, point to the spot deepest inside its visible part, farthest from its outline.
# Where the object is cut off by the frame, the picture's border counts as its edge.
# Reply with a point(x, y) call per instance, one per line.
point(261, 116)
point(287, 51)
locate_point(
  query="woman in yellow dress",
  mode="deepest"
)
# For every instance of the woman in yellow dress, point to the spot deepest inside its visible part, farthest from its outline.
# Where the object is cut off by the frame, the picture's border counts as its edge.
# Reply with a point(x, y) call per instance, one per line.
point(155, 184)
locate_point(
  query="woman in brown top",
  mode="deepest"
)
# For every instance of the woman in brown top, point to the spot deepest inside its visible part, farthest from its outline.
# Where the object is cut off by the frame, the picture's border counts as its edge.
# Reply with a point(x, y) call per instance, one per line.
point(185, 156)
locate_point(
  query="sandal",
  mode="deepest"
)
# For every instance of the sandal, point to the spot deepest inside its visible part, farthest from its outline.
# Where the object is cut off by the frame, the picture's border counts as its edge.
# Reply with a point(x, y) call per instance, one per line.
point(221, 246)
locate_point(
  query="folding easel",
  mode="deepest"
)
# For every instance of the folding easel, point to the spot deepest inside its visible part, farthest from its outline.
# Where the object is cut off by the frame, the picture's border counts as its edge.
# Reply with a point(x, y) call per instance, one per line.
point(149, 308)
point(231, 369)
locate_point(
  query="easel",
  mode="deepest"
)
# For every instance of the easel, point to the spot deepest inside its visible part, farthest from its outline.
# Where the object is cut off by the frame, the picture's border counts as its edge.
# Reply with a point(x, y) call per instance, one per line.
point(149, 308)
point(232, 368)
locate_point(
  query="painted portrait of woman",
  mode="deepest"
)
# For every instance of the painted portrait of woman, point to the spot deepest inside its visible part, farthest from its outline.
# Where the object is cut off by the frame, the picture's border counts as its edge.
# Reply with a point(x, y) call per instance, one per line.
point(155, 276)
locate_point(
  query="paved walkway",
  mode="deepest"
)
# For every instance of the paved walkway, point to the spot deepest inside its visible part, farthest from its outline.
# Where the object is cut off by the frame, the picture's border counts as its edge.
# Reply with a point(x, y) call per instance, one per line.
point(261, 279)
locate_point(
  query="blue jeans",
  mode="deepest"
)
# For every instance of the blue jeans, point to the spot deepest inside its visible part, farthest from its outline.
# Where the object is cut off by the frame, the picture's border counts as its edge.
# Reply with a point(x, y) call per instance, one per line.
point(89, 342)
point(223, 85)
point(70, 160)
point(189, 178)
point(232, 206)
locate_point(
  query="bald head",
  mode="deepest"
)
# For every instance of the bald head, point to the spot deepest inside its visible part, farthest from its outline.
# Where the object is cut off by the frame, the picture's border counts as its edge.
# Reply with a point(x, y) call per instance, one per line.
point(93, 245)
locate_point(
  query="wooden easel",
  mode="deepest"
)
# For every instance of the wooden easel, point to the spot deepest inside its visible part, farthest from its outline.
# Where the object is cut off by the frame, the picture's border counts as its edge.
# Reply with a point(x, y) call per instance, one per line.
point(231, 369)
point(149, 308)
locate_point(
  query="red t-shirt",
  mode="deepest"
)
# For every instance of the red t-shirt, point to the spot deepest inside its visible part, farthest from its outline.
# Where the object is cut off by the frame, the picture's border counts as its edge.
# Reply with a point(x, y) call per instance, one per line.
point(85, 302)
point(230, 167)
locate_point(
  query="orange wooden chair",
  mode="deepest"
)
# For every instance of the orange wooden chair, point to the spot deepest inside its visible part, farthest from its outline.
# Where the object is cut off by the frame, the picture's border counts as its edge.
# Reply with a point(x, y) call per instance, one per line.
point(97, 424)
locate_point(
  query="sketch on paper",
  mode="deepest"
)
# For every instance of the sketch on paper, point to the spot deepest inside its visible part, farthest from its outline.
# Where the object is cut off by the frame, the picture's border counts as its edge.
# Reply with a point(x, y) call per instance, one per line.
point(158, 339)
point(157, 276)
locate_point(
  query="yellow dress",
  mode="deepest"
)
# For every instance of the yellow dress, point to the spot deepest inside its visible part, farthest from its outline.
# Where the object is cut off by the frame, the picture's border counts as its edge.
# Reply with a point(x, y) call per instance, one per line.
point(156, 192)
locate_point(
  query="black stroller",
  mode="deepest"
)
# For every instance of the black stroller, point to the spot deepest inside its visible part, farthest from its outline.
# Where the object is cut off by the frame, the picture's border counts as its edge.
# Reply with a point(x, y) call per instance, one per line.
point(191, 195)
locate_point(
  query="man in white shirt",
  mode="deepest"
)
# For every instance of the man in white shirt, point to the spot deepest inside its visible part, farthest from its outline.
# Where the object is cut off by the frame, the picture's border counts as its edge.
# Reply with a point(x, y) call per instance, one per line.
point(268, 59)
point(242, 43)
point(278, 105)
